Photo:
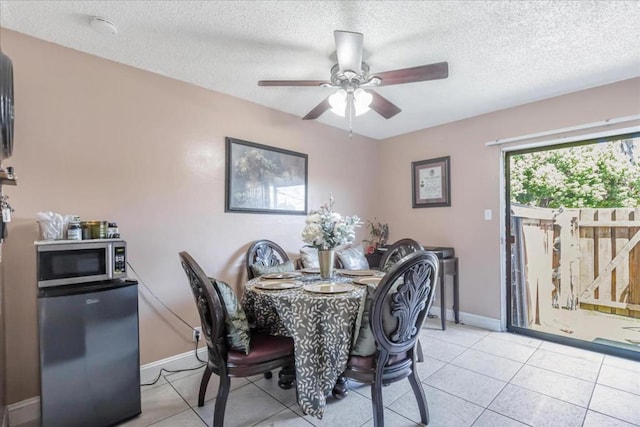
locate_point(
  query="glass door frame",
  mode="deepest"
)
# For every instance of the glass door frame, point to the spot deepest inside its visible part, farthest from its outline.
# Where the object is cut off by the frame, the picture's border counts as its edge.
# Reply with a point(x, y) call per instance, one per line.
point(505, 238)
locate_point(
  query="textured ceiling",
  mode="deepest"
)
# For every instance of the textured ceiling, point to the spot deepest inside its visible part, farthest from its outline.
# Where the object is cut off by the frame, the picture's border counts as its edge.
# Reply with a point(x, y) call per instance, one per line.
point(500, 53)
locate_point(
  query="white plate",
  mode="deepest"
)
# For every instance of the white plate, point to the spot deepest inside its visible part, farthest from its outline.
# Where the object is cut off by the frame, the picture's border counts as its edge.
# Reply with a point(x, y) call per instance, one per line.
point(277, 285)
point(358, 272)
point(281, 275)
point(311, 270)
point(367, 280)
point(328, 288)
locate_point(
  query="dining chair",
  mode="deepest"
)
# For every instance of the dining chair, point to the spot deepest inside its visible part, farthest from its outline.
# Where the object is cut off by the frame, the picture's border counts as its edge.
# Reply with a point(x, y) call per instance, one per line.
point(398, 309)
point(267, 352)
point(397, 251)
point(265, 253)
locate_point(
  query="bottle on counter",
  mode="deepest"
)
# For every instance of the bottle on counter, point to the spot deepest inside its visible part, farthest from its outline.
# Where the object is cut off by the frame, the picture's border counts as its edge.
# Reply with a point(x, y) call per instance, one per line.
point(86, 230)
point(100, 231)
point(94, 230)
point(112, 231)
point(74, 230)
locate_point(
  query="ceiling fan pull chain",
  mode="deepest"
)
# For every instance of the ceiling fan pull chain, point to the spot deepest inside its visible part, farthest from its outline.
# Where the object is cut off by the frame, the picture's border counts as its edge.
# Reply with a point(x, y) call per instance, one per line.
point(350, 107)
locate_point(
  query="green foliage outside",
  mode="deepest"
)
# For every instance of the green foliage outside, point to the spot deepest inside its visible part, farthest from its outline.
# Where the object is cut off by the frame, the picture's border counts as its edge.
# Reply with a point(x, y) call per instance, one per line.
point(605, 175)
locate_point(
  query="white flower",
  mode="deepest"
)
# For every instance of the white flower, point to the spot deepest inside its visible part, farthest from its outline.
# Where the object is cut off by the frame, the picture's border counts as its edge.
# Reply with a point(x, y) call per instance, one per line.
point(314, 218)
point(326, 229)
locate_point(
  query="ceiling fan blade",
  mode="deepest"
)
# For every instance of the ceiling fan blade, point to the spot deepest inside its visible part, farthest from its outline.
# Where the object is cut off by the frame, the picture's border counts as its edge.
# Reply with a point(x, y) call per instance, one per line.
point(383, 106)
point(349, 51)
point(292, 82)
point(318, 110)
point(439, 70)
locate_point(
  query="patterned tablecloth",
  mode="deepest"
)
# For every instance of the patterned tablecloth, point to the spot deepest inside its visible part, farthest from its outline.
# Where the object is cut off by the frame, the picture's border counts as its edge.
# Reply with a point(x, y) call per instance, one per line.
point(321, 326)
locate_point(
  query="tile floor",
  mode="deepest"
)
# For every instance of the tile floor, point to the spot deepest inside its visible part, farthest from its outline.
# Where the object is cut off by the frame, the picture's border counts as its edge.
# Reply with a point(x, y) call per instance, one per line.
point(472, 377)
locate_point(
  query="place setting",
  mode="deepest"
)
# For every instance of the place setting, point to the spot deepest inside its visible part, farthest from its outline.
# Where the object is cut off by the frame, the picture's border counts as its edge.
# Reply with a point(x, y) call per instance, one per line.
point(277, 285)
point(358, 273)
point(281, 275)
point(367, 281)
point(328, 288)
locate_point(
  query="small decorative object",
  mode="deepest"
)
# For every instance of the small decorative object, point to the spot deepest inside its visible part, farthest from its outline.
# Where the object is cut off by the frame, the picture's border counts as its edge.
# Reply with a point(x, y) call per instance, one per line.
point(6, 209)
point(431, 183)
point(379, 234)
point(325, 230)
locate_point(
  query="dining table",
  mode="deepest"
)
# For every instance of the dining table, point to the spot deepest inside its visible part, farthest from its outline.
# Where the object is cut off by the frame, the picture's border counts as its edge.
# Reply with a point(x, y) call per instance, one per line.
point(319, 314)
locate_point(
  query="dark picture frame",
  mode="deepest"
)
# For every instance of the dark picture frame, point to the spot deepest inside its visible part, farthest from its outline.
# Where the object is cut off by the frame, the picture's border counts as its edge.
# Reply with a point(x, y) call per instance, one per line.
point(431, 183)
point(264, 179)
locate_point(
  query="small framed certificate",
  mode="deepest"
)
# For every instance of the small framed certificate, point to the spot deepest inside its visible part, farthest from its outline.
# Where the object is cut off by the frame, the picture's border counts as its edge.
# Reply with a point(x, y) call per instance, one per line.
point(431, 183)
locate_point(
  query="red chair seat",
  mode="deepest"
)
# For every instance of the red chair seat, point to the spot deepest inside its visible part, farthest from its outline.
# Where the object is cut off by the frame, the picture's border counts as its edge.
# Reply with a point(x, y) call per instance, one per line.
point(263, 348)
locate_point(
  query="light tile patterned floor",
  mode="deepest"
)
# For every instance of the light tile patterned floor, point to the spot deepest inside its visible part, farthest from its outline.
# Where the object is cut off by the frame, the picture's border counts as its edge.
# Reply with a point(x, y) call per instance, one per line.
point(471, 377)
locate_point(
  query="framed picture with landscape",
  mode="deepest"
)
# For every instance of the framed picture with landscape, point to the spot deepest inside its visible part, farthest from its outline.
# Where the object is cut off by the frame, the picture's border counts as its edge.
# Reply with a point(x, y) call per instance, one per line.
point(264, 179)
point(431, 184)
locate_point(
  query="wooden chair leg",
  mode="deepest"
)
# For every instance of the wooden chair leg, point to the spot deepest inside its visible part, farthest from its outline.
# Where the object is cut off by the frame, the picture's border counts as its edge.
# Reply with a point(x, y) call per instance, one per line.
point(420, 397)
point(378, 406)
point(221, 401)
point(287, 377)
point(341, 389)
point(203, 385)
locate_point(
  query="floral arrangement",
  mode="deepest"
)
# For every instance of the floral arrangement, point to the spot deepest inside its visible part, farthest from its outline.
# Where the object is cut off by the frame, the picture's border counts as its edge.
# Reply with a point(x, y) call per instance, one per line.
point(379, 234)
point(326, 229)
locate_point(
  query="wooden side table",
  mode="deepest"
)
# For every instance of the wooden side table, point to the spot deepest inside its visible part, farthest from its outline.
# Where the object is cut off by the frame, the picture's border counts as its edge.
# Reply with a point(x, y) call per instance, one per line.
point(449, 267)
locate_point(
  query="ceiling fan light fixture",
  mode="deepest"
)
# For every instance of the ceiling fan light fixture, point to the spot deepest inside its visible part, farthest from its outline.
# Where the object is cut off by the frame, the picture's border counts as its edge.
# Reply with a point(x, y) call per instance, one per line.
point(338, 102)
point(361, 101)
point(342, 100)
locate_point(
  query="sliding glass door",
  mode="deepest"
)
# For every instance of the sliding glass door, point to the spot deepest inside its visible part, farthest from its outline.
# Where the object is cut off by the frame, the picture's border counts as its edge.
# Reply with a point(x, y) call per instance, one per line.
point(573, 252)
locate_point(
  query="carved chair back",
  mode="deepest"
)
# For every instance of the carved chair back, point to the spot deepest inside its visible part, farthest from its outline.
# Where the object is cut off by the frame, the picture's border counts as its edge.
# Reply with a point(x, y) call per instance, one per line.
point(210, 309)
point(397, 251)
point(409, 302)
point(266, 253)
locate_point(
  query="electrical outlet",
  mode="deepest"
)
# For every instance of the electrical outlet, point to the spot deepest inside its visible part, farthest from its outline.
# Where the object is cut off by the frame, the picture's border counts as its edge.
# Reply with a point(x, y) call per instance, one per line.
point(197, 332)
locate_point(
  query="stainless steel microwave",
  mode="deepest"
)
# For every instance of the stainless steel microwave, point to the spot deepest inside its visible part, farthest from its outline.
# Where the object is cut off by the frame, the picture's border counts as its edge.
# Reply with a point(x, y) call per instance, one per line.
point(69, 262)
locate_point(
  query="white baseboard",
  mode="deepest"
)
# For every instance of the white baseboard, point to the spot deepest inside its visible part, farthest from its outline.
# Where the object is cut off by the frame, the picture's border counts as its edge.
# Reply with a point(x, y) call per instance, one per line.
point(471, 319)
point(28, 410)
point(483, 322)
point(150, 371)
point(24, 411)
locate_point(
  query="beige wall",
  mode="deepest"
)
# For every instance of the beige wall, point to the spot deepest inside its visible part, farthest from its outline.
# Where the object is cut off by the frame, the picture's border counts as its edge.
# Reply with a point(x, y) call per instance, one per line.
point(106, 141)
point(475, 180)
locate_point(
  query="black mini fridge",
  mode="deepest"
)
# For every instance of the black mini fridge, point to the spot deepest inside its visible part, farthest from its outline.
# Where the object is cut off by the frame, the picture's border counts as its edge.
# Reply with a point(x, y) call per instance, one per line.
point(89, 354)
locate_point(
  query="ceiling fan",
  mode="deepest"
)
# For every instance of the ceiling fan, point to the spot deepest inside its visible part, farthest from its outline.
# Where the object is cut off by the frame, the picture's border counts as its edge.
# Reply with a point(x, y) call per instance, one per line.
point(354, 82)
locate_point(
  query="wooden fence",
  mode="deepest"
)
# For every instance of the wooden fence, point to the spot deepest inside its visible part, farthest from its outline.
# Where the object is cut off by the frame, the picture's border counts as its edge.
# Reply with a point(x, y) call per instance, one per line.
point(585, 258)
point(610, 260)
